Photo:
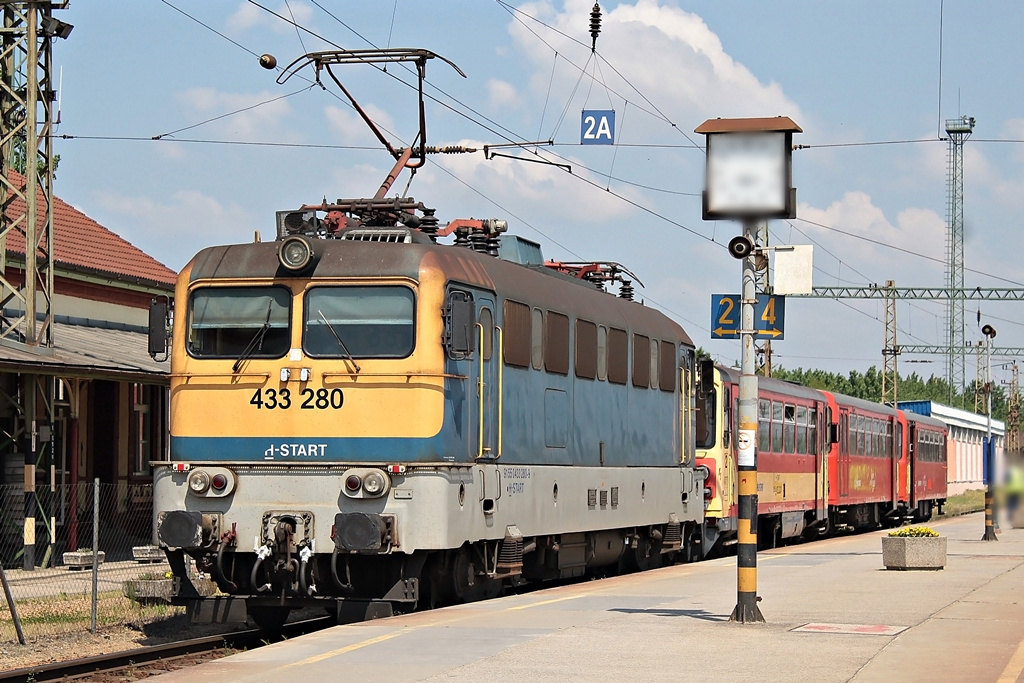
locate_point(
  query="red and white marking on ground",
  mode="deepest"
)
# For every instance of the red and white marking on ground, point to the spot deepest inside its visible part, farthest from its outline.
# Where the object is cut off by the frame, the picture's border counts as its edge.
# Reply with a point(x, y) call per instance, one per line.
point(863, 629)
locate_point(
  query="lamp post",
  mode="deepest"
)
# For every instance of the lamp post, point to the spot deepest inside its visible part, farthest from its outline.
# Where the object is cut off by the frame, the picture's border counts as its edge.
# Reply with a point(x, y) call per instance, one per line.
point(749, 178)
point(989, 450)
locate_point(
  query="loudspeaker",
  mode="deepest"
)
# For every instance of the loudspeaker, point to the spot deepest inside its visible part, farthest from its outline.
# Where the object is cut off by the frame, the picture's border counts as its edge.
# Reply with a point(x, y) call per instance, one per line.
point(740, 247)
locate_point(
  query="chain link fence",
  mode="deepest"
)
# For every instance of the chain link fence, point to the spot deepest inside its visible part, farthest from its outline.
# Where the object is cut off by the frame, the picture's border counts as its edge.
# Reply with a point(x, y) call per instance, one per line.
point(63, 591)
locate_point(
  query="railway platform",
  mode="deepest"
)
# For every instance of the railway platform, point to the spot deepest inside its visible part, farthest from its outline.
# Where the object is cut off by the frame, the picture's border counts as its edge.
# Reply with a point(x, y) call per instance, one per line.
point(833, 613)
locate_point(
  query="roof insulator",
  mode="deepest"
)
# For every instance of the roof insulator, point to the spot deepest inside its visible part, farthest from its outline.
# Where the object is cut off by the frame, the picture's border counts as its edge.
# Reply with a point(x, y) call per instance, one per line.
point(595, 25)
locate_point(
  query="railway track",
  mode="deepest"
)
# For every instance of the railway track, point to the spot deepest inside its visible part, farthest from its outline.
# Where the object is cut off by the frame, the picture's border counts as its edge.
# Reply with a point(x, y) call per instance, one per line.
point(146, 661)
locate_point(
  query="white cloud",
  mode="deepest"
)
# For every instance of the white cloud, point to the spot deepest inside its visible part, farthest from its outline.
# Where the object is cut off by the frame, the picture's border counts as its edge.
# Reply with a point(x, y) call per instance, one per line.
point(173, 229)
point(248, 16)
point(540, 192)
point(502, 94)
point(259, 115)
point(350, 127)
point(916, 230)
point(665, 52)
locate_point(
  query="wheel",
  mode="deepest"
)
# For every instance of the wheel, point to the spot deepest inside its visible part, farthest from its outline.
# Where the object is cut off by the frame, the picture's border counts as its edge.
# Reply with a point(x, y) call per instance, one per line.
point(468, 586)
point(270, 620)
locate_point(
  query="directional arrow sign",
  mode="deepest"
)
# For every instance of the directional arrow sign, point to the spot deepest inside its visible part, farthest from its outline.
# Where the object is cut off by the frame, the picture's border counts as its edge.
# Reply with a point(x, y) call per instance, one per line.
point(769, 316)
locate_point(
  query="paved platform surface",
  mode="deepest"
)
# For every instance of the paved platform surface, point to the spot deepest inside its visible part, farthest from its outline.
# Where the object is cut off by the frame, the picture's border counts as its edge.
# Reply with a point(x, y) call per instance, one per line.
point(833, 614)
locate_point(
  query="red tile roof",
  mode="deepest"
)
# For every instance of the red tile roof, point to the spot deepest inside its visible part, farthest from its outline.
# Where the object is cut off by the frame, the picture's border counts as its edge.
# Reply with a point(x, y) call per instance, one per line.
point(81, 242)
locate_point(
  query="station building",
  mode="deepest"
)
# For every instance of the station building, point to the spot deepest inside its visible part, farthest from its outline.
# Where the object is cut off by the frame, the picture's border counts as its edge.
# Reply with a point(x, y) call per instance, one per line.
point(99, 401)
point(967, 432)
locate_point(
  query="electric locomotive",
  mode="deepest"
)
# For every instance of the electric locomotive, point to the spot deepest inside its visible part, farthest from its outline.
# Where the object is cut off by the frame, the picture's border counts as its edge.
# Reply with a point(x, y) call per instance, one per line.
point(364, 418)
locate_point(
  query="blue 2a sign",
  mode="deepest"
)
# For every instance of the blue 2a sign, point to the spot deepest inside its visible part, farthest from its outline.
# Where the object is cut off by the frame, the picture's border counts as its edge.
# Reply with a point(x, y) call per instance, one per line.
point(597, 127)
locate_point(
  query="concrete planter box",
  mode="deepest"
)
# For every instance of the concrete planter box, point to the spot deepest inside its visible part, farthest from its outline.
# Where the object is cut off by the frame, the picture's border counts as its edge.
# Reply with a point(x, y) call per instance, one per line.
point(144, 554)
point(1017, 519)
point(913, 552)
point(82, 559)
point(148, 591)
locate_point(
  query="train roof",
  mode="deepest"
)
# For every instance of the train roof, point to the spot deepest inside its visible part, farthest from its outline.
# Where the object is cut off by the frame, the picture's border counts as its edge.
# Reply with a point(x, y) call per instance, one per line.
point(529, 283)
point(925, 420)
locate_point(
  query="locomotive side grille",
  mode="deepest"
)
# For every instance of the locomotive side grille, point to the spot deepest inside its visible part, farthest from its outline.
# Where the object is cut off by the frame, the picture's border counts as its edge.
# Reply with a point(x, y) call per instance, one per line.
point(673, 534)
point(510, 553)
point(391, 235)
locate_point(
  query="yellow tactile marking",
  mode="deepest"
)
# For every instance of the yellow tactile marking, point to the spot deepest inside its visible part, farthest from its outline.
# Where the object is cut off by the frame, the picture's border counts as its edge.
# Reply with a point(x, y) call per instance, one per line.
point(350, 648)
point(1015, 667)
point(547, 602)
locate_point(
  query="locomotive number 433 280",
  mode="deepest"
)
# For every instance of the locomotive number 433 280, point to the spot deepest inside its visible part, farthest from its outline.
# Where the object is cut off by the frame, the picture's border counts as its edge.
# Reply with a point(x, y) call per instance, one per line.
point(308, 399)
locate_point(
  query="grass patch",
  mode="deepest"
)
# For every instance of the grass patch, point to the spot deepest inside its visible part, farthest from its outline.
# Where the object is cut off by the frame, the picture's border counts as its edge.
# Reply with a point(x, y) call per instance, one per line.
point(66, 612)
point(964, 503)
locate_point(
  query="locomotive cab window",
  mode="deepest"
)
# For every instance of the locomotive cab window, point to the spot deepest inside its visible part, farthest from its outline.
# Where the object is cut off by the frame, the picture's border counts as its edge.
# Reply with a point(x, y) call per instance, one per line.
point(359, 321)
point(229, 322)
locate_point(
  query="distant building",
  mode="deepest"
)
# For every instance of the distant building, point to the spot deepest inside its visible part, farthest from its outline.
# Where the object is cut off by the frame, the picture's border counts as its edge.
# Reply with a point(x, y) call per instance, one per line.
point(109, 399)
point(964, 443)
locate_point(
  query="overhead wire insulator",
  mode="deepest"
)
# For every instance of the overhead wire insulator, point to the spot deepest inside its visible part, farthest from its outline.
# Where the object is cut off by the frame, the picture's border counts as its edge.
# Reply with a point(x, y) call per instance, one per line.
point(595, 25)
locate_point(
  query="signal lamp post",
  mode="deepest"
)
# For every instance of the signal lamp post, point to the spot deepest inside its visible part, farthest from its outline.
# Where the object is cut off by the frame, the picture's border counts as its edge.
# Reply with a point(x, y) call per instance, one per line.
point(990, 446)
point(748, 178)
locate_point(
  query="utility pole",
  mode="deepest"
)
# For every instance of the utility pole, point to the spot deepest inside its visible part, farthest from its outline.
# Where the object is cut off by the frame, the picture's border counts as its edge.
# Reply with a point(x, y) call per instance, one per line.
point(27, 96)
point(1013, 413)
point(763, 285)
point(989, 449)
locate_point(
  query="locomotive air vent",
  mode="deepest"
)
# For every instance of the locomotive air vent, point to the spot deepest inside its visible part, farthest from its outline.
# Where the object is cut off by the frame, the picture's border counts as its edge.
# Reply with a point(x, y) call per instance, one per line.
point(395, 235)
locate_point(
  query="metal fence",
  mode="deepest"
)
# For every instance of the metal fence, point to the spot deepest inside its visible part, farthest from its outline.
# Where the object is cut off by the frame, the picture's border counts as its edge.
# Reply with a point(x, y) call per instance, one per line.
point(94, 562)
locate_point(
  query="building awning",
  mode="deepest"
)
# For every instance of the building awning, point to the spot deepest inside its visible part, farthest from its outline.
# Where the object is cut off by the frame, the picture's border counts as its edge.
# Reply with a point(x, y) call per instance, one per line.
point(91, 353)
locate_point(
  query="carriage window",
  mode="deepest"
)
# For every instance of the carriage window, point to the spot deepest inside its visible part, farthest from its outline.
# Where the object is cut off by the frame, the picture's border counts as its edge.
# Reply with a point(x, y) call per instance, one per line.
point(654, 364)
point(776, 427)
point(618, 356)
point(669, 367)
point(641, 361)
point(556, 344)
point(764, 424)
point(602, 352)
point(586, 349)
point(862, 428)
point(790, 430)
point(364, 322)
point(801, 429)
point(517, 334)
point(230, 322)
point(537, 339)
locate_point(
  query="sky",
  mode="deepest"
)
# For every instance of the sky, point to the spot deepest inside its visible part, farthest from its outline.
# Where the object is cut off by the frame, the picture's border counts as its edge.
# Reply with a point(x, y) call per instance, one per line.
point(163, 103)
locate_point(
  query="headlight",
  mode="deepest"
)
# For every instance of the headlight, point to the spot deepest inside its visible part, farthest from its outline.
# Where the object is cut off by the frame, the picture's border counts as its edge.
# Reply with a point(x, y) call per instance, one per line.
point(365, 482)
point(199, 481)
point(374, 483)
point(295, 252)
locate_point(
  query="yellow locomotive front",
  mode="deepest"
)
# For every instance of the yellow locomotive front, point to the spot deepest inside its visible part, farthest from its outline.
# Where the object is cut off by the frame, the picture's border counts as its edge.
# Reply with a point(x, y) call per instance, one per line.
point(300, 392)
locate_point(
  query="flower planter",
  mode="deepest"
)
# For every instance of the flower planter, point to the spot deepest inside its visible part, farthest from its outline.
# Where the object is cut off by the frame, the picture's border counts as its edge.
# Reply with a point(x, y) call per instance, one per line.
point(82, 559)
point(913, 552)
point(148, 591)
point(144, 554)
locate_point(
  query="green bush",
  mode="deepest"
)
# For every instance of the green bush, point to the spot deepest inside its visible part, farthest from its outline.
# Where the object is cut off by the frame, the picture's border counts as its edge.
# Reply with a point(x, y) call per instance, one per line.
point(914, 532)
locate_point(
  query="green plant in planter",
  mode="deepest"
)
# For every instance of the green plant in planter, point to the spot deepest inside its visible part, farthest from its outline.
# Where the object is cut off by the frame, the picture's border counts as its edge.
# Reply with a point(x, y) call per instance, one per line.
point(914, 532)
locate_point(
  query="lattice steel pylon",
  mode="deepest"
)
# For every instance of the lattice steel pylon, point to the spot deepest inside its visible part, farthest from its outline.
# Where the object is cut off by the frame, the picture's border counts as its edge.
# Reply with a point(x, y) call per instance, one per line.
point(1013, 414)
point(26, 197)
point(957, 130)
point(26, 230)
point(891, 350)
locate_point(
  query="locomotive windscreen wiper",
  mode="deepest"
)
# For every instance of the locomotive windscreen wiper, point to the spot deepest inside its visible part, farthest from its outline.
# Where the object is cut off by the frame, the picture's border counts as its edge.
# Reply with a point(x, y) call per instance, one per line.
point(341, 343)
point(256, 343)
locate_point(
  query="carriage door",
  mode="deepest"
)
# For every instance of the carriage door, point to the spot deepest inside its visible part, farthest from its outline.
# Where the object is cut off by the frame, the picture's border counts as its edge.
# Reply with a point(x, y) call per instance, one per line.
point(486, 379)
point(844, 453)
